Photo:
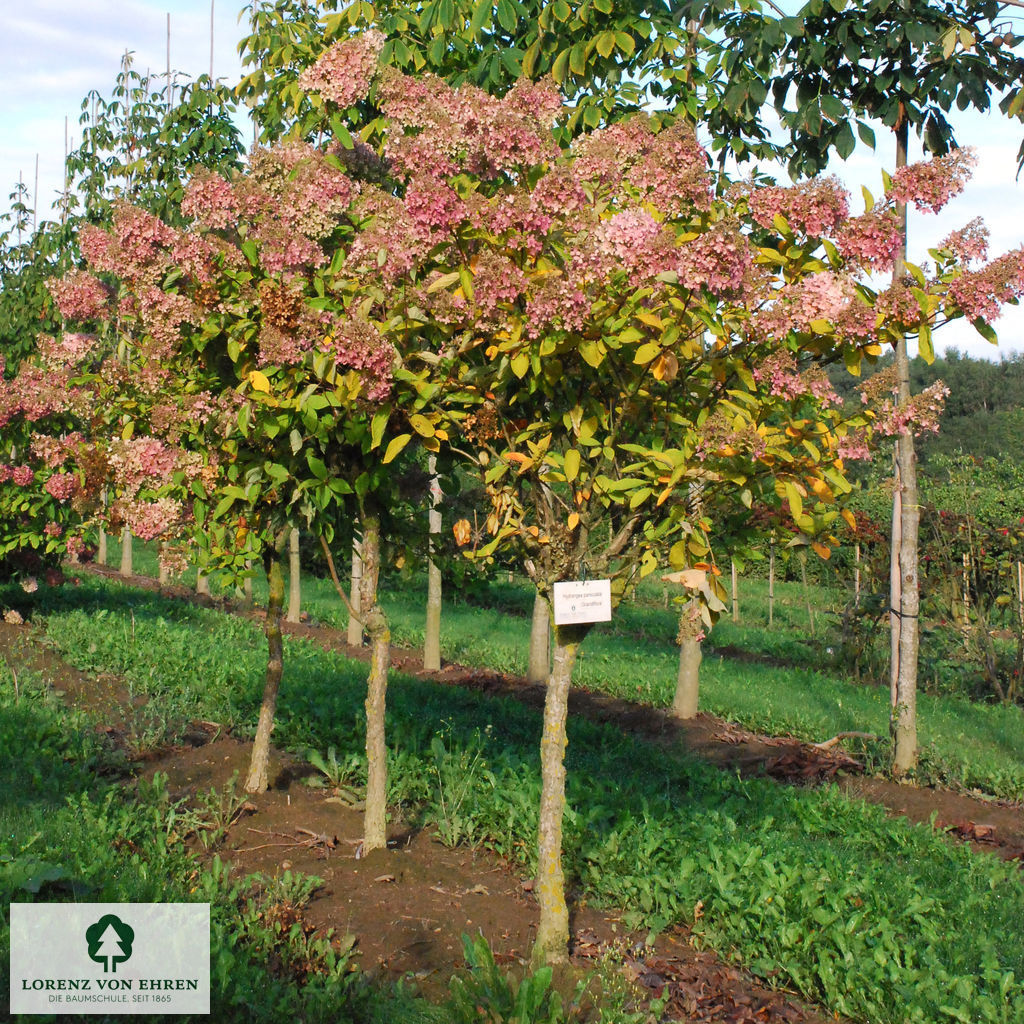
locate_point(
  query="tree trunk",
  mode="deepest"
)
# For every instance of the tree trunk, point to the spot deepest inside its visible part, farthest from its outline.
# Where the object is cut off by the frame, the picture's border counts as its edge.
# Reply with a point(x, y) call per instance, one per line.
point(539, 665)
point(294, 578)
point(375, 818)
point(126, 552)
point(552, 943)
point(807, 591)
point(903, 713)
point(432, 628)
point(101, 548)
point(247, 586)
point(355, 627)
point(685, 701)
point(257, 779)
point(202, 583)
point(163, 573)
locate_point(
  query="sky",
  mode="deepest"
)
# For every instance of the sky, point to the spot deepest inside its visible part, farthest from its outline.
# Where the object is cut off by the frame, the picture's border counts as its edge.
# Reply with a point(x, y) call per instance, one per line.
point(53, 52)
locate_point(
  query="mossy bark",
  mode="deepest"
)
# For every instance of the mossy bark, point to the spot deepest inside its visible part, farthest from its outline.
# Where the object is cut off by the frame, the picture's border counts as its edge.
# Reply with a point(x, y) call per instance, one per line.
point(539, 664)
point(257, 781)
point(687, 695)
point(375, 818)
point(294, 579)
point(552, 943)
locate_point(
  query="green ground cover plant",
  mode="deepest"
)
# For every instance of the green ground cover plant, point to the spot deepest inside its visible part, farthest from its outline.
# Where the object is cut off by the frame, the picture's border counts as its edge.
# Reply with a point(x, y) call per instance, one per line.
point(785, 683)
point(878, 920)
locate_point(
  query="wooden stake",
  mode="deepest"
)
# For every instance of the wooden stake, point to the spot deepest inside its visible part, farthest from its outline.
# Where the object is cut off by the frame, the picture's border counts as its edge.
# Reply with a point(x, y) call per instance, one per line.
point(771, 579)
point(856, 574)
point(169, 89)
point(735, 594)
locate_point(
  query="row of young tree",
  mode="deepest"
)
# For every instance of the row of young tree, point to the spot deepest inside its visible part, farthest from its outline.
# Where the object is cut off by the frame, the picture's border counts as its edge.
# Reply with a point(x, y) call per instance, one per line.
point(625, 349)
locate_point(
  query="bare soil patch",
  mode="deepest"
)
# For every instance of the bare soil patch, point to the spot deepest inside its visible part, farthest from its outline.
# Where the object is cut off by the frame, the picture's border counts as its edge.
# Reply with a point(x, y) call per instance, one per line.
point(406, 908)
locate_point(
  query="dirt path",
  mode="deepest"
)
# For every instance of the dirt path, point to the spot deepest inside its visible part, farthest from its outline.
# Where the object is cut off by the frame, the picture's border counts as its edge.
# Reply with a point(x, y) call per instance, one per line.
point(405, 909)
point(424, 896)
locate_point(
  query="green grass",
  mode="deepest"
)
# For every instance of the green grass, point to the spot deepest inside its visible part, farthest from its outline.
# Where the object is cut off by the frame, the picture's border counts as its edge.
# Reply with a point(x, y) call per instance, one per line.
point(965, 744)
point(878, 920)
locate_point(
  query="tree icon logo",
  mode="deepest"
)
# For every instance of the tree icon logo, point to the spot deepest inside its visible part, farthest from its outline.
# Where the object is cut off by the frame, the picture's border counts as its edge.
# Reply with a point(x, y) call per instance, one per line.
point(110, 942)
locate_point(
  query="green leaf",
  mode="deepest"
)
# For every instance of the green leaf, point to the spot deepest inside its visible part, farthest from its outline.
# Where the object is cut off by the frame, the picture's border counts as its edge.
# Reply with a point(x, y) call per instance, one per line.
point(249, 251)
point(316, 466)
point(520, 363)
point(924, 344)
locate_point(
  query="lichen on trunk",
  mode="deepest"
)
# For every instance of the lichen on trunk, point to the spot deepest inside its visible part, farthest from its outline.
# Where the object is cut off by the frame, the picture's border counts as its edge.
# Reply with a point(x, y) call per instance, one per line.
point(376, 625)
point(691, 629)
point(552, 943)
point(257, 780)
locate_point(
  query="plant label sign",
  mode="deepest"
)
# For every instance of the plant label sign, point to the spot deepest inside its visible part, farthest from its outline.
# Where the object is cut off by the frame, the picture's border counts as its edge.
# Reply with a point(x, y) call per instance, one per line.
point(582, 601)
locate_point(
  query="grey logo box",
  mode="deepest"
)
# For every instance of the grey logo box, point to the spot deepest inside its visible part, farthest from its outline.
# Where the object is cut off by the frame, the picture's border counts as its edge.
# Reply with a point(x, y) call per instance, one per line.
point(110, 958)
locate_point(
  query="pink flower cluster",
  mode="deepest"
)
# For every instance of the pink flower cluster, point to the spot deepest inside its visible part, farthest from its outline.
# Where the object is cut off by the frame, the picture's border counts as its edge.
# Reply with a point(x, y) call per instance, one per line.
point(343, 72)
point(556, 302)
point(210, 200)
point(981, 294)
point(919, 413)
point(53, 452)
point(20, 476)
point(141, 462)
point(61, 486)
point(637, 243)
point(79, 295)
point(779, 371)
point(968, 244)
point(439, 130)
point(930, 184)
point(497, 283)
point(716, 261)
point(873, 239)
point(38, 392)
point(827, 297)
point(816, 207)
point(357, 344)
point(148, 520)
point(854, 447)
point(67, 350)
point(433, 208)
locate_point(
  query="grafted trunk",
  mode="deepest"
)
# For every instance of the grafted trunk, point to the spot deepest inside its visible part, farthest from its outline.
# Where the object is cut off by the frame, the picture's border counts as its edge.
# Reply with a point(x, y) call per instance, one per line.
point(539, 665)
point(903, 713)
point(294, 578)
point(257, 779)
point(101, 548)
point(355, 627)
point(202, 583)
point(432, 628)
point(552, 943)
point(126, 552)
point(686, 700)
point(375, 818)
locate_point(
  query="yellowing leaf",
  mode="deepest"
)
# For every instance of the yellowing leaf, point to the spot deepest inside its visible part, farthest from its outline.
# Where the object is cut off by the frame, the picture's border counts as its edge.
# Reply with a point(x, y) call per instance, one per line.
point(421, 425)
point(520, 363)
point(651, 320)
point(259, 382)
point(396, 445)
point(463, 531)
point(822, 550)
point(572, 465)
point(848, 516)
point(646, 352)
point(574, 520)
point(666, 366)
